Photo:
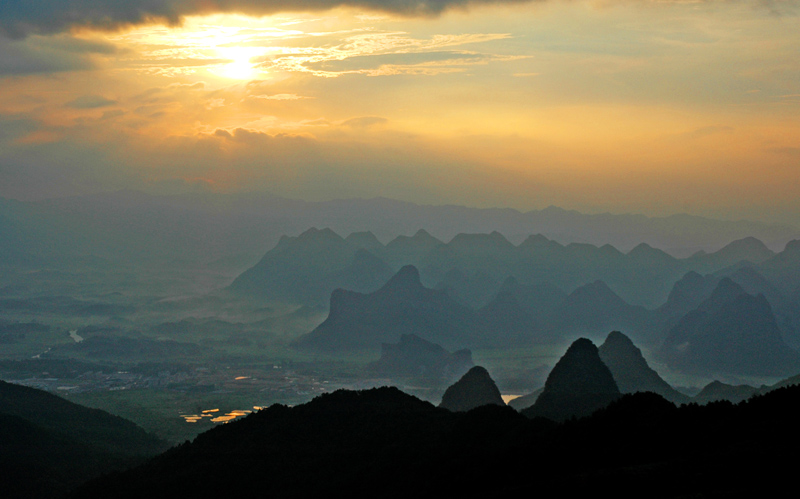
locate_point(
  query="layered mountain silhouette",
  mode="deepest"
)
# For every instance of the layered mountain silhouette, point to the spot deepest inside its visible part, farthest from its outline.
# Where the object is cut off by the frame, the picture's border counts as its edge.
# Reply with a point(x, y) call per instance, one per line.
point(630, 369)
point(579, 384)
point(402, 306)
point(731, 332)
point(413, 356)
point(475, 389)
point(473, 267)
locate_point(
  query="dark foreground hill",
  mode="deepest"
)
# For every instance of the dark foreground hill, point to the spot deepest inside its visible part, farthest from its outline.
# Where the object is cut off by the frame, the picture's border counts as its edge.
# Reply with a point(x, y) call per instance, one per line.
point(384, 443)
point(579, 384)
point(631, 371)
point(49, 445)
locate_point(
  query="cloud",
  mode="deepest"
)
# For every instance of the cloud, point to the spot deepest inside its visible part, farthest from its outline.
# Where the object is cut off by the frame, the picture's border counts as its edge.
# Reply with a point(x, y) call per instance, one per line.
point(365, 62)
point(13, 127)
point(48, 54)
point(90, 102)
point(19, 18)
point(385, 53)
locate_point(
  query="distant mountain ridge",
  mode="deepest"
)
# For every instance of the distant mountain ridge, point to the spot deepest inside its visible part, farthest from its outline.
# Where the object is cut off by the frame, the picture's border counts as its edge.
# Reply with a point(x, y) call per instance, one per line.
point(320, 265)
point(208, 227)
point(473, 268)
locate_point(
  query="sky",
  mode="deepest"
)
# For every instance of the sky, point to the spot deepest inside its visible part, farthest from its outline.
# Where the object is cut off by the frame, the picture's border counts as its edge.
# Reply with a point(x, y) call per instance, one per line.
point(653, 107)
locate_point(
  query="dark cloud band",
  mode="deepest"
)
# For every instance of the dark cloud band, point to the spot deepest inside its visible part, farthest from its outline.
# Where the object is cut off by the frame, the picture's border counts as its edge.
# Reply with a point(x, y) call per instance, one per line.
point(19, 18)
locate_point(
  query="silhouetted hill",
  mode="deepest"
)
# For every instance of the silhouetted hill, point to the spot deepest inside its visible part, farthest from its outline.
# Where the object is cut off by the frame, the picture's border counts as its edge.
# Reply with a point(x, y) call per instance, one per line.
point(731, 332)
point(365, 273)
point(473, 289)
point(686, 295)
point(644, 255)
point(89, 426)
point(365, 240)
point(594, 308)
point(411, 250)
point(579, 384)
point(383, 442)
point(475, 389)
point(307, 268)
point(491, 253)
point(49, 445)
point(748, 249)
point(538, 298)
point(402, 306)
point(784, 270)
point(506, 320)
point(517, 313)
point(413, 356)
point(716, 391)
point(631, 371)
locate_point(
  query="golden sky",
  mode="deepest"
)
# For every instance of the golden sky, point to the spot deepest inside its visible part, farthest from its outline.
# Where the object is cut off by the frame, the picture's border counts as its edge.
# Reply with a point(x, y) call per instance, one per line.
point(653, 107)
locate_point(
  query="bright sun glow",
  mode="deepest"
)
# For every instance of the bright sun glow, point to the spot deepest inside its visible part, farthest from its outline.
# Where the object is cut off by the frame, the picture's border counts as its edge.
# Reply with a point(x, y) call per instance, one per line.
point(241, 67)
point(231, 45)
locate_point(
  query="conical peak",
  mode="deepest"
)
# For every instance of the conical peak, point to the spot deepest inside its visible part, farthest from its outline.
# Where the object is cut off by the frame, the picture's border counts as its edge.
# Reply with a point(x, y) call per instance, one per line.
point(726, 290)
point(692, 277)
point(494, 239)
point(406, 277)
point(581, 345)
point(749, 243)
point(423, 234)
point(364, 239)
point(616, 339)
point(580, 371)
point(641, 248)
point(420, 240)
point(595, 289)
point(792, 246)
point(316, 234)
point(535, 240)
point(477, 373)
point(474, 389)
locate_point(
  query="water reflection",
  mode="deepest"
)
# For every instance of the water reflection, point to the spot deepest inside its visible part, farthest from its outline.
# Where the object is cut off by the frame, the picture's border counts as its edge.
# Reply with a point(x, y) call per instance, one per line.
point(209, 414)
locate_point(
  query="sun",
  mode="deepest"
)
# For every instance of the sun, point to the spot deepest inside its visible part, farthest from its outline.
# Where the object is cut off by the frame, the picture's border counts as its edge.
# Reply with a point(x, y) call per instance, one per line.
point(241, 66)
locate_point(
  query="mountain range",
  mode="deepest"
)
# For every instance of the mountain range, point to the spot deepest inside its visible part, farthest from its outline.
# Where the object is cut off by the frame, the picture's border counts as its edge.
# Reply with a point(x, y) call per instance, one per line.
point(237, 228)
